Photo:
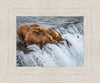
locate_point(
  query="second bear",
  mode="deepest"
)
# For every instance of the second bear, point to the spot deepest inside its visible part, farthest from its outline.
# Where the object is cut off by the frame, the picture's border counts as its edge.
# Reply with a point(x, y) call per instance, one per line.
point(54, 35)
point(37, 37)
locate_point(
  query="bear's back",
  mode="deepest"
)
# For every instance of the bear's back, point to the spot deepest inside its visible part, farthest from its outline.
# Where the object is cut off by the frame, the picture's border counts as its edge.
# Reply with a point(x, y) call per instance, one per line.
point(34, 25)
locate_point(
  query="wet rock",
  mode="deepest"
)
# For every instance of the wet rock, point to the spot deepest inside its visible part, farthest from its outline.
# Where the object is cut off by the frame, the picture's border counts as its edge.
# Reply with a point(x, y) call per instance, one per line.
point(23, 47)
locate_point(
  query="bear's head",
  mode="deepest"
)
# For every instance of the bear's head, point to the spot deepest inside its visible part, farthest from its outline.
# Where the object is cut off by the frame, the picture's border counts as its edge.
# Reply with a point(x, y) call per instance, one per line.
point(57, 37)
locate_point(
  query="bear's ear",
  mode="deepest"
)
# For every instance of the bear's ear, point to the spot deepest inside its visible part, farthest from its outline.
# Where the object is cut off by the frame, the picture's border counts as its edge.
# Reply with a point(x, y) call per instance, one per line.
point(49, 28)
point(56, 33)
point(40, 29)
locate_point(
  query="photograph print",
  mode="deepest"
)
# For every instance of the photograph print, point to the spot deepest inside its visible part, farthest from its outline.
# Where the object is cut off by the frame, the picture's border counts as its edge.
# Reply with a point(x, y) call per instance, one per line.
point(49, 41)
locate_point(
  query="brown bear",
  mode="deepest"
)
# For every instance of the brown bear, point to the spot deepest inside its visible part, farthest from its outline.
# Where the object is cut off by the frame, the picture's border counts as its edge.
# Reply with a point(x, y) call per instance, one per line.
point(22, 31)
point(38, 37)
point(38, 32)
point(54, 35)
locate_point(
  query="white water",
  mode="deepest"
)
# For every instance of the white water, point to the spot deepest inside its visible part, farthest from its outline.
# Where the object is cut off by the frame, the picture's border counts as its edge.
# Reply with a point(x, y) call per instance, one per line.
point(57, 54)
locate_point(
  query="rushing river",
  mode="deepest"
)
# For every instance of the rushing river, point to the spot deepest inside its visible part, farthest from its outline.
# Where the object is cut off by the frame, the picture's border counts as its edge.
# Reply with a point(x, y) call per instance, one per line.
point(58, 54)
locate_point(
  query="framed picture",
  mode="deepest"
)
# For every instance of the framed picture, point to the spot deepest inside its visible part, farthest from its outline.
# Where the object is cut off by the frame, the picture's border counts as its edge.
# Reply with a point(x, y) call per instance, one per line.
point(52, 41)
point(49, 41)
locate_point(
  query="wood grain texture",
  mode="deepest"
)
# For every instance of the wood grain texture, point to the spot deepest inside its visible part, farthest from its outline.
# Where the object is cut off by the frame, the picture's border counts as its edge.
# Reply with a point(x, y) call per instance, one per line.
point(90, 73)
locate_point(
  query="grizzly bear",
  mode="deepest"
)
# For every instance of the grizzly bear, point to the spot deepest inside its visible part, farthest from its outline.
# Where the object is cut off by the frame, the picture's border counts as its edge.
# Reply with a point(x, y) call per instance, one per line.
point(54, 35)
point(37, 37)
point(22, 31)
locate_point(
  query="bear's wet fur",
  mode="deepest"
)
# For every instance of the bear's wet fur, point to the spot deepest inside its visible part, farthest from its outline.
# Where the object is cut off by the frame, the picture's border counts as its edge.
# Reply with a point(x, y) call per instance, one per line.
point(54, 35)
point(35, 34)
point(22, 31)
point(34, 25)
point(37, 37)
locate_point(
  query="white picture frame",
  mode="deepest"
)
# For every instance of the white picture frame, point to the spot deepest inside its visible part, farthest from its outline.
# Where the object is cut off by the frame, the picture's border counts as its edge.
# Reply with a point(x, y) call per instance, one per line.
point(9, 73)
